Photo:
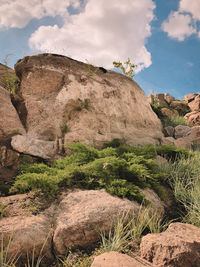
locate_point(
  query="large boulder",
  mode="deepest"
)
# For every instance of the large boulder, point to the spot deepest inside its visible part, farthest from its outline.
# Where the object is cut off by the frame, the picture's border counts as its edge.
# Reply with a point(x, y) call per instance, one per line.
point(82, 215)
point(71, 101)
point(190, 97)
point(178, 246)
point(116, 259)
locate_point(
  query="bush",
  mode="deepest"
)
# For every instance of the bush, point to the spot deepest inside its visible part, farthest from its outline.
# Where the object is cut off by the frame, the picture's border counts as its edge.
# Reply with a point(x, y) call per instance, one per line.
point(121, 174)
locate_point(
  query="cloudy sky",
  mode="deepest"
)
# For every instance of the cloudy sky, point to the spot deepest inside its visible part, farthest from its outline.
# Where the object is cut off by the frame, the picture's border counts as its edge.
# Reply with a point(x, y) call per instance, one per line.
point(161, 36)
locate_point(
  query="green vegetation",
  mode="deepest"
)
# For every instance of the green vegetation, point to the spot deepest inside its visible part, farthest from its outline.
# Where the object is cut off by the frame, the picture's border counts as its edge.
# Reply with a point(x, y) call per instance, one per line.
point(3, 209)
point(11, 82)
point(183, 177)
point(173, 121)
point(64, 128)
point(130, 227)
point(127, 69)
point(121, 171)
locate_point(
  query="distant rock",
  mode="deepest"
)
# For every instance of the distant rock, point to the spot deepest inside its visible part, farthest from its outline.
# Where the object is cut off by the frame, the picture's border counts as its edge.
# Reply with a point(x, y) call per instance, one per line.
point(169, 112)
point(116, 259)
point(190, 97)
point(181, 131)
point(69, 101)
point(193, 118)
point(178, 246)
point(191, 140)
point(169, 131)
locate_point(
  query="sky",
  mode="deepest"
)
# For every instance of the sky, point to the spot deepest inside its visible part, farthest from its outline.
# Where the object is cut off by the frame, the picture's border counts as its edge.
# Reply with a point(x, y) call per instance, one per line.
point(161, 37)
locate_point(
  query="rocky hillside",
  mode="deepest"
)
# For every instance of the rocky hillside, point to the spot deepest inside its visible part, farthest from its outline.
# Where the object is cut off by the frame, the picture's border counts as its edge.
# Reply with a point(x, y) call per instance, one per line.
point(91, 170)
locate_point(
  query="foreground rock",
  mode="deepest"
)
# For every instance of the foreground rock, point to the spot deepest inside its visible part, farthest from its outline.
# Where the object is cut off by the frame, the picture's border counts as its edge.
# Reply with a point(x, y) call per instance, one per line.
point(73, 220)
point(115, 259)
point(69, 100)
point(178, 246)
point(83, 215)
point(30, 236)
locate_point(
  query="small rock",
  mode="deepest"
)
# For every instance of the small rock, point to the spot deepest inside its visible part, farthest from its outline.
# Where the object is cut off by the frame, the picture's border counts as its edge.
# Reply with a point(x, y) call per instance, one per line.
point(169, 131)
point(189, 140)
point(195, 104)
point(178, 105)
point(168, 98)
point(182, 131)
point(116, 259)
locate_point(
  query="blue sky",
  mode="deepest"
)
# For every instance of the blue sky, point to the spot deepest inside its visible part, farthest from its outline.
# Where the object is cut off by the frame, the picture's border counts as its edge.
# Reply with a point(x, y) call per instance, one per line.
point(161, 36)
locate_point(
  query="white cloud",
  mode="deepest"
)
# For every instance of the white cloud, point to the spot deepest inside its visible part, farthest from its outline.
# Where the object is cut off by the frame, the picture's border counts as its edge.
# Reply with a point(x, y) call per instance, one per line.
point(103, 32)
point(191, 6)
point(178, 26)
point(182, 23)
point(18, 13)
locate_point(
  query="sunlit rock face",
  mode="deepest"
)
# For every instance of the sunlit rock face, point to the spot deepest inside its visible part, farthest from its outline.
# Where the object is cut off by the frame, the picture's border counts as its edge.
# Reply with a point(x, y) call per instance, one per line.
point(68, 101)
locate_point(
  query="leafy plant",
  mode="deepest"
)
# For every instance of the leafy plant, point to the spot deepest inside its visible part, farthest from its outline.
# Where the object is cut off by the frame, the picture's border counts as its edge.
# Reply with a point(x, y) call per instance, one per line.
point(127, 69)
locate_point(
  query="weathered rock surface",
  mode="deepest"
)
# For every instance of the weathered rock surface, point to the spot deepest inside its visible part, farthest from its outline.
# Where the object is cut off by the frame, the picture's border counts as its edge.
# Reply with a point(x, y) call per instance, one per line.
point(69, 100)
point(179, 105)
point(29, 235)
point(40, 148)
point(169, 131)
point(178, 246)
point(83, 214)
point(116, 259)
point(193, 118)
point(190, 97)
point(193, 139)
point(169, 112)
point(181, 131)
point(9, 119)
point(195, 103)
point(10, 124)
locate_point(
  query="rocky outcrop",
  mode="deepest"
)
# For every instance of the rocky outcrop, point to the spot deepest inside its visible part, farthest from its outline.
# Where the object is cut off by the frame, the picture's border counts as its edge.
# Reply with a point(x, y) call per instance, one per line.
point(71, 101)
point(178, 246)
point(193, 101)
point(116, 259)
point(192, 140)
point(74, 220)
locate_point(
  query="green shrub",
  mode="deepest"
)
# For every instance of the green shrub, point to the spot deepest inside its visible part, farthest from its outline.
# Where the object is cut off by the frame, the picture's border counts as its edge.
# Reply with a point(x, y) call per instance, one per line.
point(127, 69)
point(121, 174)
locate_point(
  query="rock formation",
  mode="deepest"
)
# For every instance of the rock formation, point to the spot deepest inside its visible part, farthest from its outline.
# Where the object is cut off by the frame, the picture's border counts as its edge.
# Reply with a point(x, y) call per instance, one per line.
point(68, 101)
